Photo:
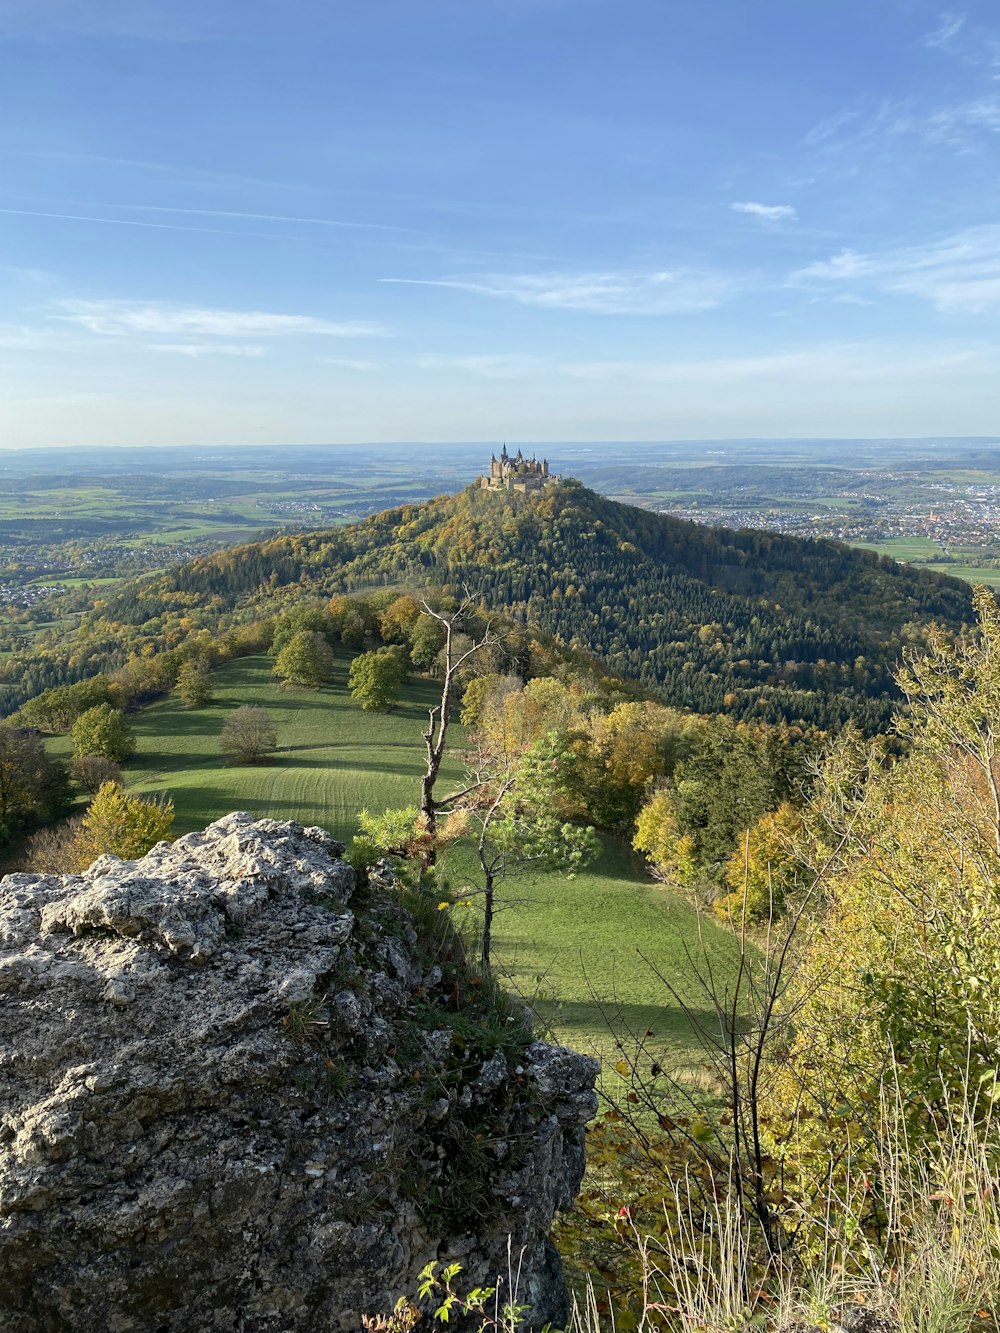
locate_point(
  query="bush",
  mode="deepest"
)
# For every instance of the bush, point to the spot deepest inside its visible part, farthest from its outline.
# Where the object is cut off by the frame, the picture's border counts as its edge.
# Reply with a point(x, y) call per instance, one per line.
point(122, 824)
point(91, 771)
point(248, 735)
point(55, 850)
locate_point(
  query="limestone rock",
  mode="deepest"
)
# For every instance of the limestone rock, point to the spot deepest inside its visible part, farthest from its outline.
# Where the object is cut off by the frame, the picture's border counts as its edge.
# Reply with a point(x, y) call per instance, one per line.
point(236, 1094)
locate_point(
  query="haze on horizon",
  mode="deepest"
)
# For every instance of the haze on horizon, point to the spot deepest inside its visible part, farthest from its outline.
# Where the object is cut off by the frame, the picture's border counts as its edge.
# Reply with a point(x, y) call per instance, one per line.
point(539, 219)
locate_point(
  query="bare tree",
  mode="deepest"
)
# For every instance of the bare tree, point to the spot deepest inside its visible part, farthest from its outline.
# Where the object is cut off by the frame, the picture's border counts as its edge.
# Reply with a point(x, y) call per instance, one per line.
point(454, 656)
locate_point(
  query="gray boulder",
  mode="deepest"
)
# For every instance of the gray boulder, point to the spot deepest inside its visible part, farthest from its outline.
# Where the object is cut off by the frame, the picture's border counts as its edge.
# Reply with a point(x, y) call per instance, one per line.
point(237, 1093)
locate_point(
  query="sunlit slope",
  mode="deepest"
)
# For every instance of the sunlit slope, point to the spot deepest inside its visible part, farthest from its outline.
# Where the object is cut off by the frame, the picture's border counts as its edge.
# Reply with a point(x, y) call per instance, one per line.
point(760, 625)
point(590, 943)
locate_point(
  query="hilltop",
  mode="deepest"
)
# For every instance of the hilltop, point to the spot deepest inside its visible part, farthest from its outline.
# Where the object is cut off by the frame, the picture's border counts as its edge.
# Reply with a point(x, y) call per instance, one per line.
point(757, 624)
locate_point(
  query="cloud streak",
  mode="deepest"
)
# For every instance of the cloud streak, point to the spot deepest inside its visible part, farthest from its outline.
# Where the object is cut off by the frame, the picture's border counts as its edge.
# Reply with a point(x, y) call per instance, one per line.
point(662, 292)
point(949, 27)
point(122, 318)
point(198, 350)
point(767, 213)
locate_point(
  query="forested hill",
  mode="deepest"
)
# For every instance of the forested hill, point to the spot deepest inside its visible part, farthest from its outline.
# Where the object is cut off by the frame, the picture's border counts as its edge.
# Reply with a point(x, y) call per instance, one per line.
point(753, 623)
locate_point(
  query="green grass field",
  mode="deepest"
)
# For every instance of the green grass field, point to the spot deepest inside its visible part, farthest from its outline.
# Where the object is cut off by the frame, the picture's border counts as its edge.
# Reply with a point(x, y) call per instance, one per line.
point(589, 945)
point(905, 548)
point(971, 573)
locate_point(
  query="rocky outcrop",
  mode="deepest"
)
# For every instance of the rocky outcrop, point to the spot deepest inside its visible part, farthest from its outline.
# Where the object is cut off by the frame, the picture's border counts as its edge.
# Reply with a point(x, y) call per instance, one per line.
point(237, 1093)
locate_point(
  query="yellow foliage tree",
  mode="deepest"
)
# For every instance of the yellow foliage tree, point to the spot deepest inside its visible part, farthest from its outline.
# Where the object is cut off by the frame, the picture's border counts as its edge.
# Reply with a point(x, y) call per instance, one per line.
point(125, 825)
point(766, 868)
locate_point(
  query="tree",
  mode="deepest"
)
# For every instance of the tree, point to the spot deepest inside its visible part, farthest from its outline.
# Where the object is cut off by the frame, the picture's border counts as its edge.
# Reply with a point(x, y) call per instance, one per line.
point(306, 660)
point(427, 636)
point(56, 710)
point(194, 683)
point(122, 824)
point(658, 837)
point(767, 868)
point(91, 771)
point(515, 799)
point(953, 690)
point(398, 621)
point(248, 735)
point(376, 678)
point(33, 787)
point(104, 731)
point(312, 616)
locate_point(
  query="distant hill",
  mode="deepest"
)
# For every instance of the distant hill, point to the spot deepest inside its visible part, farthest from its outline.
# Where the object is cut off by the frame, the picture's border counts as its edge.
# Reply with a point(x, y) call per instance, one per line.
point(758, 624)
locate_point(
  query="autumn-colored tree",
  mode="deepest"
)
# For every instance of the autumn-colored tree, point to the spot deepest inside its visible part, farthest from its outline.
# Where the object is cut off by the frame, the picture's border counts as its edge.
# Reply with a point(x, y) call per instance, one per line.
point(103, 731)
point(627, 756)
point(194, 683)
point(397, 621)
point(768, 866)
point(123, 824)
point(669, 852)
point(897, 997)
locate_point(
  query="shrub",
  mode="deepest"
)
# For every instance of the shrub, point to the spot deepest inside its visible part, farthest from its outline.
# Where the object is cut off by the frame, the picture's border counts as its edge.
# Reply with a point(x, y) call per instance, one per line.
point(122, 824)
point(248, 735)
point(91, 771)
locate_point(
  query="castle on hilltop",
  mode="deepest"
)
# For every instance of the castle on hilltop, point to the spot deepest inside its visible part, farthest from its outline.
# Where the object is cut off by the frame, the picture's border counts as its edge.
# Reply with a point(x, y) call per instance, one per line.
point(516, 474)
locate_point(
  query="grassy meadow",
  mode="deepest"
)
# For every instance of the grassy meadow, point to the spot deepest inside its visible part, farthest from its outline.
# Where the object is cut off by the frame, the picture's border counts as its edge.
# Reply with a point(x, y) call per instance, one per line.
point(586, 947)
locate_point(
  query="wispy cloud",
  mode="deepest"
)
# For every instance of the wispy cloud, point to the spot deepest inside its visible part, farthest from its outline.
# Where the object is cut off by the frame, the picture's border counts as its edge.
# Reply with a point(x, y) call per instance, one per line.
point(348, 363)
point(961, 272)
point(152, 226)
point(948, 28)
point(198, 350)
point(767, 212)
point(662, 292)
point(830, 127)
point(957, 126)
point(962, 126)
point(21, 338)
point(491, 366)
point(118, 318)
point(858, 362)
point(339, 224)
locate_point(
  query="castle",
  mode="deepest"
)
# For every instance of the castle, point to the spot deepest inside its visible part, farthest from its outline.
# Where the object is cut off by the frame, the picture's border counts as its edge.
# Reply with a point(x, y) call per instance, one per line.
point(516, 474)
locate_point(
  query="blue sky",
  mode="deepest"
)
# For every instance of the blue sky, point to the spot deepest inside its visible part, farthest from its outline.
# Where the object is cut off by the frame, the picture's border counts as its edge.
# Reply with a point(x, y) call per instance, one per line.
point(363, 220)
